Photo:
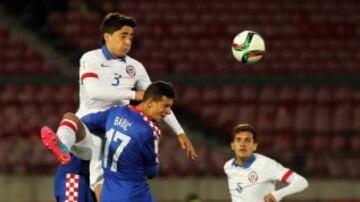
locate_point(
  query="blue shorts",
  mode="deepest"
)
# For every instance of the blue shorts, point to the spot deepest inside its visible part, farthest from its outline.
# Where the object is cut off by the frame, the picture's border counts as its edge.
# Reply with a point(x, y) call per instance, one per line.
point(71, 187)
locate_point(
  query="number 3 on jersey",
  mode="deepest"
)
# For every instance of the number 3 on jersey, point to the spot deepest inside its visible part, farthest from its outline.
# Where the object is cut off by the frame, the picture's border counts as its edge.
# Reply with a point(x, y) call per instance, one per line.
point(116, 81)
point(113, 136)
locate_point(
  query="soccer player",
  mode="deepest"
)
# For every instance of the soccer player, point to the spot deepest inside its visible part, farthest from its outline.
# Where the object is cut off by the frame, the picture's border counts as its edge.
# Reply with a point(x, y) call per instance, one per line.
point(108, 76)
point(252, 176)
point(131, 143)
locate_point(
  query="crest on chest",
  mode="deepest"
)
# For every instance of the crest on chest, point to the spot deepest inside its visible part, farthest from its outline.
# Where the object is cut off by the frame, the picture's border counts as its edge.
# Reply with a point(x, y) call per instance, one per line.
point(130, 70)
point(253, 176)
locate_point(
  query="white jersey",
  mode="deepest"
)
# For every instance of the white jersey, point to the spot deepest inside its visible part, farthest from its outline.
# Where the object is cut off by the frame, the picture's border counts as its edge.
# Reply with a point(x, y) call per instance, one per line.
point(118, 77)
point(255, 178)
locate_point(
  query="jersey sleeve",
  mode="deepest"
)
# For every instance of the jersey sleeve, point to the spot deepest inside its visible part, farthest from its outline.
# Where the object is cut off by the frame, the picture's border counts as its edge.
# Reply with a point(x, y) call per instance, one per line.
point(278, 172)
point(173, 123)
point(227, 165)
point(143, 80)
point(88, 67)
point(96, 122)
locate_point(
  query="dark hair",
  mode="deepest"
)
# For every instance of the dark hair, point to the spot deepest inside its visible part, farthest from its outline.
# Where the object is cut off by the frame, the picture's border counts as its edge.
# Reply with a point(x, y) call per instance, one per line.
point(158, 89)
point(115, 21)
point(244, 127)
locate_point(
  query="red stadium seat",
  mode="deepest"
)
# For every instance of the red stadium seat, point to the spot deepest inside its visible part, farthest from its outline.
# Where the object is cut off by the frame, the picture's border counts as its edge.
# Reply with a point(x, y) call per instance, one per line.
point(338, 144)
point(9, 94)
point(335, 168)
point(249, 94)
point(284, 118)
point(355, 143)
point(355, 125)
point(191, 95)
point(322, 119)
point(319, 143)
point(266, 117)
point(342, 117)
point(324, 95)
point(229, 94)
point(210, 94)
point(268, 94)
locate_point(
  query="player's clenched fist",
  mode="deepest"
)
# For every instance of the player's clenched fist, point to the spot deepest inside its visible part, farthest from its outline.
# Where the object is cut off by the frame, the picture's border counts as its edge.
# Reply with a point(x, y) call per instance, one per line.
point(269, 198)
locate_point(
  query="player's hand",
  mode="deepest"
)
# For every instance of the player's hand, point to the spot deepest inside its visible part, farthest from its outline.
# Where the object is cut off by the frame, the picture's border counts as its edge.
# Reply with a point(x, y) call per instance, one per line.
point(269, 198)
point(97, 191)
point(139, 95)
point(186, 144)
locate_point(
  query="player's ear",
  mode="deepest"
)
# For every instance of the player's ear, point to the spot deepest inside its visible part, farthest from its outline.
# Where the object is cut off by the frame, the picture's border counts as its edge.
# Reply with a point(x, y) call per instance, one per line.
point(232, 146)
point(255, 146)
point(106, 36)
point(150, 102)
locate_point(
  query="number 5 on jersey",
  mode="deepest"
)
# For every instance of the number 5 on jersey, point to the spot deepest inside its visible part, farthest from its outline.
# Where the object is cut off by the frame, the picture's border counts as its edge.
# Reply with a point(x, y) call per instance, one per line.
point(113, 136)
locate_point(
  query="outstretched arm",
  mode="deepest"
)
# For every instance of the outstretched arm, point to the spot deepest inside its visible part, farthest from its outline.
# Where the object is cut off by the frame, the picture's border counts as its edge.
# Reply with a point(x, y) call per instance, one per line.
point(296, 183)
point(183, 139)
point(185, 143)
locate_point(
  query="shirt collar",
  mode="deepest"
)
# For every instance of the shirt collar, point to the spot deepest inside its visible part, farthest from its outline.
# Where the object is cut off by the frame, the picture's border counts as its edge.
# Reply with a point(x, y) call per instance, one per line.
point(247, 163)
point(134, 109)
point(109, 56)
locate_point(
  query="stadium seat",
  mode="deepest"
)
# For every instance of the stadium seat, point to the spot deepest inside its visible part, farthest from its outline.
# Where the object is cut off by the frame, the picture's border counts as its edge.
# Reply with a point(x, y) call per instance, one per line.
point(266, 117)
point(319, 143)
point(322, 118)
point(338, 144)
point(284, 117)
point(355, 143)
point(342, 118)
point(210, 95)
point(247, 113)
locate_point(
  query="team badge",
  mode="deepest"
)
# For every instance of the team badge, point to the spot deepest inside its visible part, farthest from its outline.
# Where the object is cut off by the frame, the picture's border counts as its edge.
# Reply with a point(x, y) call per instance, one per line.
point(253, 177)
point(130, 70)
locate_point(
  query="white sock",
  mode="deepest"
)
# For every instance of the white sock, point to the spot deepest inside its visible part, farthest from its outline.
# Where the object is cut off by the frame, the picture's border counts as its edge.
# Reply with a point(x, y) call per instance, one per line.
point(67, 132)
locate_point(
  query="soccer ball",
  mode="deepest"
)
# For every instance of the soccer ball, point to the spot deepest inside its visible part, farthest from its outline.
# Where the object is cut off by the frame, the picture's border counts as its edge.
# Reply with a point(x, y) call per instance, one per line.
point(248, 47)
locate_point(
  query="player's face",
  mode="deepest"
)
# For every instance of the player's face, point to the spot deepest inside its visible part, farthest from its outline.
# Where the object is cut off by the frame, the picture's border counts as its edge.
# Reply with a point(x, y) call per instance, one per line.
point(243, 145)
point(159, 109)
point(119, 42)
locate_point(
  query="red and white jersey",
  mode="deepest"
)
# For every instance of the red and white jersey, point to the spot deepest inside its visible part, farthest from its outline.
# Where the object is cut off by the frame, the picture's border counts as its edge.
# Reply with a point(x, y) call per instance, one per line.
point(109, 81)
point(255, 178)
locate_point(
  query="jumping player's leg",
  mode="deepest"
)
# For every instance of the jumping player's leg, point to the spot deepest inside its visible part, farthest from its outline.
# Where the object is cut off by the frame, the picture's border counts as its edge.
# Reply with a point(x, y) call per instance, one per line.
point(96, 171)
point(71, 180)
point(70, 131)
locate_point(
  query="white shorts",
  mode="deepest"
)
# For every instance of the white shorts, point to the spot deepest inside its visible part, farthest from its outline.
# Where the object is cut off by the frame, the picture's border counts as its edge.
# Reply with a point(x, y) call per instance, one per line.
point(90, 149)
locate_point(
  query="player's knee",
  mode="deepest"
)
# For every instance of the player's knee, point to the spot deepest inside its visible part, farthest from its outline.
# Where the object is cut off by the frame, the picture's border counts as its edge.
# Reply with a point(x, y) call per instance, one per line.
point(71, 116)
